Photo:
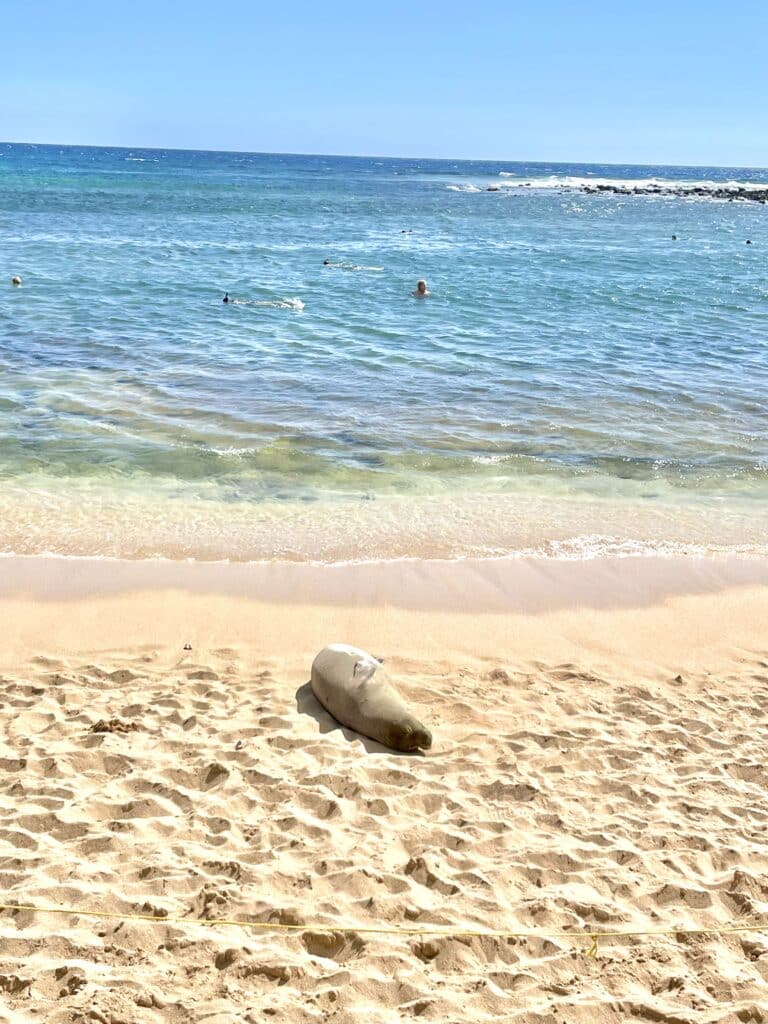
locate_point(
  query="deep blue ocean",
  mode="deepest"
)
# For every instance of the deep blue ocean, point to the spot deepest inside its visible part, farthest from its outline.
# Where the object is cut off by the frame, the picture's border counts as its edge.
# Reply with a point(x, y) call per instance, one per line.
point(577, 381)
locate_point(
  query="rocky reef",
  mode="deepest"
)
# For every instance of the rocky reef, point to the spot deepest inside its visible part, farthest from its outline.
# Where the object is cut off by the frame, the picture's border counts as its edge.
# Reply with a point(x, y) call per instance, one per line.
point(731, 193)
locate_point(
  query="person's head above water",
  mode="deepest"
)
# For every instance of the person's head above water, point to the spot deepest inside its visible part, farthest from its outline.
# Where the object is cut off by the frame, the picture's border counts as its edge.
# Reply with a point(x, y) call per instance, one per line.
point(326, 263)
point(16, 280)
point(421, 288)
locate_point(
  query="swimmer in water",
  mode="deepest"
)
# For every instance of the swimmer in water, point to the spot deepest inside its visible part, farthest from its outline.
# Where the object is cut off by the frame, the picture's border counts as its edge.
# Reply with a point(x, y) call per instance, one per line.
point(294, 303)
point(226, 297)
point(16, 281)
point(421, 290)
point(349, 266)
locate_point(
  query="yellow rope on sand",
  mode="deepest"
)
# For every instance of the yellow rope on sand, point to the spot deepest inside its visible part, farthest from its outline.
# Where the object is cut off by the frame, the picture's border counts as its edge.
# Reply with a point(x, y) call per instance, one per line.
point(453, 933)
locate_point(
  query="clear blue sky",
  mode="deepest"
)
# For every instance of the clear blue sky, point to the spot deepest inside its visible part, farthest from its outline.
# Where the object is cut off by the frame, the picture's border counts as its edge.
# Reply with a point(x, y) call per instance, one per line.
point(583, 80)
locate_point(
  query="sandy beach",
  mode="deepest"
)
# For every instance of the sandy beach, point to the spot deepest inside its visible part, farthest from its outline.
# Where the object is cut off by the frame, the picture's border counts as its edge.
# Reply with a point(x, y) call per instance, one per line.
point(599, 730)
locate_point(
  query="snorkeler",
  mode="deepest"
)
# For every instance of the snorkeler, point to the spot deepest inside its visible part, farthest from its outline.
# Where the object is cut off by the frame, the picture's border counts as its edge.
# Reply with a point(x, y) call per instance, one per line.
point(349, 266)
point(226, 297)
point(421, 290)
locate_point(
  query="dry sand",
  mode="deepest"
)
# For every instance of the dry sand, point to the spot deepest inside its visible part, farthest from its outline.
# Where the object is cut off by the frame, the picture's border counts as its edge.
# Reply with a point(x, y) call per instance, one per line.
point(600, 735)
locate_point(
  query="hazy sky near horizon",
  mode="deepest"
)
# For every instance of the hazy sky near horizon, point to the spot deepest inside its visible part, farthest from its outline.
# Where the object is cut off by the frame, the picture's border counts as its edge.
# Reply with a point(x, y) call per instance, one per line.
point(683, 83)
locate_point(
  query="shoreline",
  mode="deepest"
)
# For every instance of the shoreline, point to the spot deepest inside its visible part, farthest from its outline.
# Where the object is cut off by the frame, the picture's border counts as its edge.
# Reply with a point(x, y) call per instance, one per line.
point(446, 525)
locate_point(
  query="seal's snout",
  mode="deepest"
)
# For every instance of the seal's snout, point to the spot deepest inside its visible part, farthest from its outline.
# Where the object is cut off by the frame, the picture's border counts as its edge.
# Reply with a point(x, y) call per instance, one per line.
point(412, 736)
point(424, 739)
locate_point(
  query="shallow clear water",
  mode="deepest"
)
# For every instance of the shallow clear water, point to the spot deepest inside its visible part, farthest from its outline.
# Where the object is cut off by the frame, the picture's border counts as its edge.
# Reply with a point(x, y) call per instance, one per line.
point(577, 381)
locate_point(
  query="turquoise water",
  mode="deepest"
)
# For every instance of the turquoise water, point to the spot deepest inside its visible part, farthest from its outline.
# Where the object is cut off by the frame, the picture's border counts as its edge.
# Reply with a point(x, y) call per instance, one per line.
point(576, 382)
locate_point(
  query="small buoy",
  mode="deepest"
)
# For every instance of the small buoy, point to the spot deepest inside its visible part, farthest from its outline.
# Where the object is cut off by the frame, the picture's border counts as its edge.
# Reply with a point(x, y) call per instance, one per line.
point(16, 281)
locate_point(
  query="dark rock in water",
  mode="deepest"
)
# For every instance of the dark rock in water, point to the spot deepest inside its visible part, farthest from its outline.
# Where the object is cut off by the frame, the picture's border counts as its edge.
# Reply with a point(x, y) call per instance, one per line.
point(493, 188)
point(733, 193)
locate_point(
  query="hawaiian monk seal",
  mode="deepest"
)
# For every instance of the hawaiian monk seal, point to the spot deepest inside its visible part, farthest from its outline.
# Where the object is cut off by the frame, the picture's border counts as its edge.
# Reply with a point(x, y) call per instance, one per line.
point(349, 685)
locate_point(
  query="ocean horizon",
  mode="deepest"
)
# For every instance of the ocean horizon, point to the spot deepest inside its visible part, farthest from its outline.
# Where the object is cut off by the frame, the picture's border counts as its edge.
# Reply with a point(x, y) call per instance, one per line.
point(375, 156)
point(587, 376)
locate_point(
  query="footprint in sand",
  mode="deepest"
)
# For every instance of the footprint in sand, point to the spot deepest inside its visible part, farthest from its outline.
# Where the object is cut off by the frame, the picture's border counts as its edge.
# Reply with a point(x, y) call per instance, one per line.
point(418, 870)
point(337, 946)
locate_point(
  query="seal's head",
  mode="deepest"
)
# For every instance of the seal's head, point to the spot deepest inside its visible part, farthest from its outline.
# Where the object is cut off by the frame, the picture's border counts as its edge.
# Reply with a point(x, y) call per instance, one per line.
point(410, 735)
